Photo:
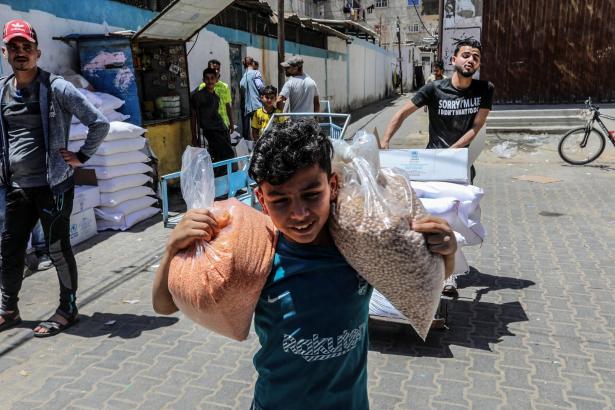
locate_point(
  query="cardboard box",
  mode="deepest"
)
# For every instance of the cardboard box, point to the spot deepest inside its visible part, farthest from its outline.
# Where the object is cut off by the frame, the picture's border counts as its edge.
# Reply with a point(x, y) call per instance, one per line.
point(85, 197)
point(449, 165)
point(84, 176)
point(82, 226)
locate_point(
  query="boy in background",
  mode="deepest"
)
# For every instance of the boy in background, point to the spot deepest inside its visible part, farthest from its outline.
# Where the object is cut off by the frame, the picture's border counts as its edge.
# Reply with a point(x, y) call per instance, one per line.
point(261, 117)
point(311, 318)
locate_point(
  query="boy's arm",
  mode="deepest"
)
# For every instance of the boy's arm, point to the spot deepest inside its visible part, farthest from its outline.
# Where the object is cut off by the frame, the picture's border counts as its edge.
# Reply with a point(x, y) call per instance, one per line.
point(255, 133)
point(440, 239)
point(196, 224)
point(316, 103)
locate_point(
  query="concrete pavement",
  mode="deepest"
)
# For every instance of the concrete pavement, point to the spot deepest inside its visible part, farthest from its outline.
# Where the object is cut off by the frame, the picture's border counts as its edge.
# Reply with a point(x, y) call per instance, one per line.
point(534, 326)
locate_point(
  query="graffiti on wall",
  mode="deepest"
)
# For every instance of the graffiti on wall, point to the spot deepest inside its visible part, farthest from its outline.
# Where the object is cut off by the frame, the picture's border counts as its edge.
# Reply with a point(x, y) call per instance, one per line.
point(463, 19)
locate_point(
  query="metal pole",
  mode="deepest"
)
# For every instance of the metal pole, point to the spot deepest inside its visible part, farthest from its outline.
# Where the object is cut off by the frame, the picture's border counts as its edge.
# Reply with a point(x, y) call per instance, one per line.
point(401, 76)
point(441, 29)
point(281, 74)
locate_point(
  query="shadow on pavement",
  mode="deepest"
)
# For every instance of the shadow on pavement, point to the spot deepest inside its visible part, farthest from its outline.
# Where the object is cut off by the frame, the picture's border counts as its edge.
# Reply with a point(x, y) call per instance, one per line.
point(471, 323)
point(124, 325)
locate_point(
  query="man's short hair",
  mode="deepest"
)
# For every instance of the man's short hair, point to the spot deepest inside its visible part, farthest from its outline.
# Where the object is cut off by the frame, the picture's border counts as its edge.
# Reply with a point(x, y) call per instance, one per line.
point(269, 90)
point(439, 64)
point(209, 70)
point(247, 61)
point(470, 42)
point(212, 62)
point(288, 147)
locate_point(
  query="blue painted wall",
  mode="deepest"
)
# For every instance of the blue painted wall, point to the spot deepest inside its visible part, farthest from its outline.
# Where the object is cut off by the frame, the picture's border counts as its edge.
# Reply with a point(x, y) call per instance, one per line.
point(93, 11)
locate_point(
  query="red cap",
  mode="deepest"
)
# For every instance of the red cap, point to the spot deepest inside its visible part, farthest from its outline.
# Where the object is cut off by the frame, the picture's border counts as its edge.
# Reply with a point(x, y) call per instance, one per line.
point(18, 28)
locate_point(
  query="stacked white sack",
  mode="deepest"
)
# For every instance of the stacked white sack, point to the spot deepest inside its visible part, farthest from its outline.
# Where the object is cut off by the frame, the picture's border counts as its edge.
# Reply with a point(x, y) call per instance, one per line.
point(120, 168)
point(459, 205)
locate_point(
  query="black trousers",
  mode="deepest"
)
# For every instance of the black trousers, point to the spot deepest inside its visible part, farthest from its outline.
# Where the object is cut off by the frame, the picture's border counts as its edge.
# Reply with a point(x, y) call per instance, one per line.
point(23, 209)
point(219, 147)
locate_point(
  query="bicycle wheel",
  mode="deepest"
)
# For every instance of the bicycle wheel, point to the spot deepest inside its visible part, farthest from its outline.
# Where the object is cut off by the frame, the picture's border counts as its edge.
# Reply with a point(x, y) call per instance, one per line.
point(579, 148)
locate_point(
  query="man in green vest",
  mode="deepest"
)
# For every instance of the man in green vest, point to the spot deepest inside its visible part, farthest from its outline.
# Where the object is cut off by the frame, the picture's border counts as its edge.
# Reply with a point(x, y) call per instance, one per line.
point(223, 91)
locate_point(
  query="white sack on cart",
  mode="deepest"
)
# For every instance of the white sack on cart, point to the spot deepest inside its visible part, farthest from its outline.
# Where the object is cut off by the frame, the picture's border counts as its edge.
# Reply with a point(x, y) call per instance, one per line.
point(115, 214)
point(454, 212)
point(113, 146)
point(120, 170)
point(110, 199)
point(120, 158)
point(85, 197)
point(128, 221)
point(123, 182)
point(437, 189)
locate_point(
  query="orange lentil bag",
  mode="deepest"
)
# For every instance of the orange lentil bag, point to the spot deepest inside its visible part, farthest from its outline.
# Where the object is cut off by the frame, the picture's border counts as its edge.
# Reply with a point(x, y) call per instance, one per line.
point(217, 284)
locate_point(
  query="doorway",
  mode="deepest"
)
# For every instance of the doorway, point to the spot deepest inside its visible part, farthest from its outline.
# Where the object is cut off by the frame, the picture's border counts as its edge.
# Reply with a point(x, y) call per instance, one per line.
point(235, 54)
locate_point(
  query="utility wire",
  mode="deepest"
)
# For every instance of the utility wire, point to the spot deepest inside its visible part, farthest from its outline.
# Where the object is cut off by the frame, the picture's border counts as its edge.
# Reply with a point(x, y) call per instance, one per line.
point(421, 20)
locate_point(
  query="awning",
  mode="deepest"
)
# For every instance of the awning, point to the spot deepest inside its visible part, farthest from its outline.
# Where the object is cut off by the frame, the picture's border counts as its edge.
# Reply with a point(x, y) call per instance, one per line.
point(348, 27)
point(181, 19)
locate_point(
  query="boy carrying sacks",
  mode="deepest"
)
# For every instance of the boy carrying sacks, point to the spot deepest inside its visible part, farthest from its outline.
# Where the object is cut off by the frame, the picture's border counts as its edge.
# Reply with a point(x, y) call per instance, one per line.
point(262, 115)
point(312, 314)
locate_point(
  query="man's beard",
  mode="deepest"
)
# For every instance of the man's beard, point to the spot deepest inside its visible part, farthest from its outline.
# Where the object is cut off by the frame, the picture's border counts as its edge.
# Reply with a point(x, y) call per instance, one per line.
point(466, 74)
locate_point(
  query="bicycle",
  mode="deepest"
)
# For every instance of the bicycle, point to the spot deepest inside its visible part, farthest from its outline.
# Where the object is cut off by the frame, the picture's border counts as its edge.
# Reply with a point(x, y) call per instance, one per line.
point(581, 141)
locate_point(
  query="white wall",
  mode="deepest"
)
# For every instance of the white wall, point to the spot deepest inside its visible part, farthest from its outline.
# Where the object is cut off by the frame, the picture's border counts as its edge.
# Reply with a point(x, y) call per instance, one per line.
point(351, 76)
point(208, 46)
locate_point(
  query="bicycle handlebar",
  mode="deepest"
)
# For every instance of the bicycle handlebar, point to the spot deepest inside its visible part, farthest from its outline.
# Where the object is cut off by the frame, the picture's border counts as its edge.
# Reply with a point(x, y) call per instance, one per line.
point(592, 107)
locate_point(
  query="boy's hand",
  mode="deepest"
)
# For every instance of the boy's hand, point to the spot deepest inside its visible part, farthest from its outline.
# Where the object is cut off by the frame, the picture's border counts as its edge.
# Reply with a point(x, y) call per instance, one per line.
point(196, 224)
point(438, 233)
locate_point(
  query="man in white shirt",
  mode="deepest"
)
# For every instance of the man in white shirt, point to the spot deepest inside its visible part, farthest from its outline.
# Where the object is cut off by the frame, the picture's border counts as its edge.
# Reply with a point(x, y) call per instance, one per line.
point(300, 90)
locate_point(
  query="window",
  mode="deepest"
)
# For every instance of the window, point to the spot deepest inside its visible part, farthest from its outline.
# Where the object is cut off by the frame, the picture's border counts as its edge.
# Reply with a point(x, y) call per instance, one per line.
point(415, 28)
point(430, 7)
point(382, 3)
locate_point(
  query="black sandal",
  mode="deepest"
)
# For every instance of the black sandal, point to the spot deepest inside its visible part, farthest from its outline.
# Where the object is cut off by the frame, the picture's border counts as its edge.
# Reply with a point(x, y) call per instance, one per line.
point(53, 327)
point(450, 291)
point(10, 319)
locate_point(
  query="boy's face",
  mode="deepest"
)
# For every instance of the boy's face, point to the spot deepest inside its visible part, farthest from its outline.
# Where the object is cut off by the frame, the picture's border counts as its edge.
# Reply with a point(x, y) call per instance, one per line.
point(268, 100)
point(210, 81)
point(300, 207)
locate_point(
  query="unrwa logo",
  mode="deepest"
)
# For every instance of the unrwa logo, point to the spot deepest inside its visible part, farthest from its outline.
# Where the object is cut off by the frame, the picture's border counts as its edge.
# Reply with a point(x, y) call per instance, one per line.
point(414, 155)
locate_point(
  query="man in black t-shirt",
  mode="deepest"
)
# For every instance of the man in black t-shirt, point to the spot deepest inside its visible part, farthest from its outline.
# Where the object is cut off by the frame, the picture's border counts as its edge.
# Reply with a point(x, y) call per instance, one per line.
point(205, 104)
point(458, 107)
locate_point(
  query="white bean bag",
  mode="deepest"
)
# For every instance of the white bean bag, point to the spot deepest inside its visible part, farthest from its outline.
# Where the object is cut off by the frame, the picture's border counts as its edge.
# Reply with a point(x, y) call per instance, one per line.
point(120, 170)
point(120, 158)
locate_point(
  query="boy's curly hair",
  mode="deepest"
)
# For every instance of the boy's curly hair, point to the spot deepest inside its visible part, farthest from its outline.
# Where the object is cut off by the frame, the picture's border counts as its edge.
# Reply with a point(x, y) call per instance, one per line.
point(287, 148)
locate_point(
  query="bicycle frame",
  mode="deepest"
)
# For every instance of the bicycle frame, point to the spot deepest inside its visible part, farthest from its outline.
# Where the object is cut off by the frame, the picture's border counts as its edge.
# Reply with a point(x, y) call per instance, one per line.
point(597, 115)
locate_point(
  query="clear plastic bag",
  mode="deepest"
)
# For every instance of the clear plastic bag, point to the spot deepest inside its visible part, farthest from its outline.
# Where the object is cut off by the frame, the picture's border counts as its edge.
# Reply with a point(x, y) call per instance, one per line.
point(371, 226)
point(217, 283)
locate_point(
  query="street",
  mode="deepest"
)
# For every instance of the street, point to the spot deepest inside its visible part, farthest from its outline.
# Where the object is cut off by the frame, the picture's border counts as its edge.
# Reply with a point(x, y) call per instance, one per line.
point(534, 326)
